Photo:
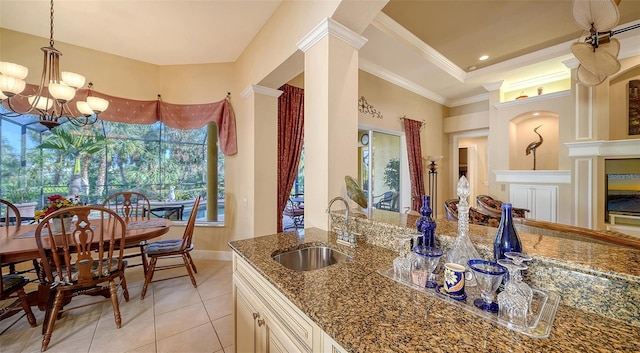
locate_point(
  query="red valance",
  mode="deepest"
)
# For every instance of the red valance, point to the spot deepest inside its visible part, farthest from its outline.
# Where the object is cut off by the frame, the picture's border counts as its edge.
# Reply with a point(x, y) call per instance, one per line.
point(179, 116)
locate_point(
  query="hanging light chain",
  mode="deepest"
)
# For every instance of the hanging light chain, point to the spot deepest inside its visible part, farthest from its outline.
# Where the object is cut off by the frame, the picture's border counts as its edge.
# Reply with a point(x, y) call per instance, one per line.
point(51, 25)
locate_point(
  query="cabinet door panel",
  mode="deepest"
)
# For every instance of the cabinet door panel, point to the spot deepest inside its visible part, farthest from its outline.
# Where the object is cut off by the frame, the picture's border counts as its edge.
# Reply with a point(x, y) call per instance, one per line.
point(277, 340)
point(246, 335)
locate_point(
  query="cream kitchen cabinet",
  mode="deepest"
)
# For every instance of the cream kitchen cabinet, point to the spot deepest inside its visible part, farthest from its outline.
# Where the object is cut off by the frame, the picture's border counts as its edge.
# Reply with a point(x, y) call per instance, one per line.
point(266, 321)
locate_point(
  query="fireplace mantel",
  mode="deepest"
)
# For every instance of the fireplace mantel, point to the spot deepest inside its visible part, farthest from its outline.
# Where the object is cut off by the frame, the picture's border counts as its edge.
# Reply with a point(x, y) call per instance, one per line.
point(615, 148)
point(533, 176)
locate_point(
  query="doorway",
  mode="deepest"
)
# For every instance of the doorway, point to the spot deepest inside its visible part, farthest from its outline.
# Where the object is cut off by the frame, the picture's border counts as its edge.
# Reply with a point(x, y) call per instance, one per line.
point(379, 169)
point(469, 151)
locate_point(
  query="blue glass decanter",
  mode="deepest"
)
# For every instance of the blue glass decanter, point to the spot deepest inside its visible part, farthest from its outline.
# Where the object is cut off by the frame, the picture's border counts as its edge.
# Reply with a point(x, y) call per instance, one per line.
point(425, 224)
point(506, 238)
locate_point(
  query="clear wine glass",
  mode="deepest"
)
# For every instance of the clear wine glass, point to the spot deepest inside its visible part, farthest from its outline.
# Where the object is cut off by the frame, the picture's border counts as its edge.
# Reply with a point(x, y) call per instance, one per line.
point(488, 277)
point(402, 263)
point(429, 257)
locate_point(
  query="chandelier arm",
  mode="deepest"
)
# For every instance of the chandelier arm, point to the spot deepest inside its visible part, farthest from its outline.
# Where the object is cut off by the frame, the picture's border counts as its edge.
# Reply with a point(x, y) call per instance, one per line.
point(32, 107)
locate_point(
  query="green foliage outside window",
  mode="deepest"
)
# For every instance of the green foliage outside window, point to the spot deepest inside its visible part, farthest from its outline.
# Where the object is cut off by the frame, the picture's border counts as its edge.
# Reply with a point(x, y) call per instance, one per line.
point(392, 174)
point(106, 157)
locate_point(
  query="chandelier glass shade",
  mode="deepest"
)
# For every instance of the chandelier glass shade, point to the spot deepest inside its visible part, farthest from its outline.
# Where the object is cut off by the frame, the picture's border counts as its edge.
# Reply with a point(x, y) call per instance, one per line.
point(54, 93)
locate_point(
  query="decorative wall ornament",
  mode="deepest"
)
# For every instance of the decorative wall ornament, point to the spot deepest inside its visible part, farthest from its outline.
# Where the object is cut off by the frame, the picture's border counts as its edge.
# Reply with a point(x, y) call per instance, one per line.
point(534, 145)
point(366, 108)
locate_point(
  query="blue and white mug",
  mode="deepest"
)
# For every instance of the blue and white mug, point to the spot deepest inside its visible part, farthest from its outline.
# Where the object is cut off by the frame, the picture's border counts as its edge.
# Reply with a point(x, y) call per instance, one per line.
point(454, 278)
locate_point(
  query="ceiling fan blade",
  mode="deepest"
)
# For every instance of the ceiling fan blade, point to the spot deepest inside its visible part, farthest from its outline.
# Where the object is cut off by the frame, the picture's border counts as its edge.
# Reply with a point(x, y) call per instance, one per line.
point(598, 61)
point(588, 78)
point(612, 47)
point(603, 14)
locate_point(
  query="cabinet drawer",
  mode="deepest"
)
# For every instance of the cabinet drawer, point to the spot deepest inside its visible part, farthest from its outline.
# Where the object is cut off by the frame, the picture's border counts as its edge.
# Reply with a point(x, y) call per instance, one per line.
point(297, 325)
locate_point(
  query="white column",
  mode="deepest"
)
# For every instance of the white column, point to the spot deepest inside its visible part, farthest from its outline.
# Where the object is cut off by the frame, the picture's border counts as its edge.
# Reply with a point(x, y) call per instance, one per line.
point(331, 115)
point(264, 190)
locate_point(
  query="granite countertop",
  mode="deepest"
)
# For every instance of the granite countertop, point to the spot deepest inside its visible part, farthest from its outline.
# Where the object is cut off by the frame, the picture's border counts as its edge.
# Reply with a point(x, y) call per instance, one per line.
point(366, 312)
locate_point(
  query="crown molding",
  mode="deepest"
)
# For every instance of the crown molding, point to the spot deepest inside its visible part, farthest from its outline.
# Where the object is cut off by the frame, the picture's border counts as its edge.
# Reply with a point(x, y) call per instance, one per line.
point(387, 25)
point(492, 86)
point(389, 76)
point(331, 27)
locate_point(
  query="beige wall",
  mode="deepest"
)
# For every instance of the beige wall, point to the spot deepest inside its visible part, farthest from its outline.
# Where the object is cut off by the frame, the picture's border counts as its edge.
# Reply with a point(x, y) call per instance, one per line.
point(394, 102)
point(469, 108)
point(547, 153)
point(547, 88)
point(110, 74)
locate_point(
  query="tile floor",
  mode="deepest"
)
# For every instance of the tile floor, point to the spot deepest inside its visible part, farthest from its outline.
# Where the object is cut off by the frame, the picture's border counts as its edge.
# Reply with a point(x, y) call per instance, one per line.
point(173, 317)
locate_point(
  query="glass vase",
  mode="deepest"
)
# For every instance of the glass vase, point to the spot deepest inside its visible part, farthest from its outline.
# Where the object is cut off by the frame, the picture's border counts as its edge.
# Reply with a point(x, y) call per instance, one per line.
point(507, 238)
point(425, 224)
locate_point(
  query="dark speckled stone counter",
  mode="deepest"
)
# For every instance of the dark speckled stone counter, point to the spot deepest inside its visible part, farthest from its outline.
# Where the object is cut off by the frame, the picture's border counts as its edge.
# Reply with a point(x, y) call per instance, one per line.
point(366, 312)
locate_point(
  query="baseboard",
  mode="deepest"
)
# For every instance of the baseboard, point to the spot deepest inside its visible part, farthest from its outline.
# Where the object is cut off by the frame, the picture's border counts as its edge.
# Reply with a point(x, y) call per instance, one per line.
point(211, 255)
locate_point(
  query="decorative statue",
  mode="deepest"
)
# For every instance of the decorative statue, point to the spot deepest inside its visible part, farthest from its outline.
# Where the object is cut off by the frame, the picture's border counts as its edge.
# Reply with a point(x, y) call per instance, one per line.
point(172, 193)
point(534, 145)
point(355, 192)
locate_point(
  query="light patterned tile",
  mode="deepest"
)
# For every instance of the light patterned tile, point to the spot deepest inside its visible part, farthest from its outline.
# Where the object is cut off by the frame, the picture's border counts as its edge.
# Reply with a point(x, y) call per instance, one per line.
point(215, 287)
point(224, 329)
point(179, 295)
point(220, 306)
point(201, 339)
point(179, 320)
point(172, 312)
point(150, 348)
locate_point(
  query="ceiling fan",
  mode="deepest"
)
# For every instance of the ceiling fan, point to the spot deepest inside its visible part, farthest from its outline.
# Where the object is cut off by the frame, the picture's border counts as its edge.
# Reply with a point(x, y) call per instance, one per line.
point(598, 54)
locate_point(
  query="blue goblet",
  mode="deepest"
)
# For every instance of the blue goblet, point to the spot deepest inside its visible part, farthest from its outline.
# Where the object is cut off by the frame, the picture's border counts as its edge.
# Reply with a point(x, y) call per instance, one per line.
point(488, 276)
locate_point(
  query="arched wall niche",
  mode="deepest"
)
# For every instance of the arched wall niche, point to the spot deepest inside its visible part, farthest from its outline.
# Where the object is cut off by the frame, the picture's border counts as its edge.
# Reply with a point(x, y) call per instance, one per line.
point(522, 134)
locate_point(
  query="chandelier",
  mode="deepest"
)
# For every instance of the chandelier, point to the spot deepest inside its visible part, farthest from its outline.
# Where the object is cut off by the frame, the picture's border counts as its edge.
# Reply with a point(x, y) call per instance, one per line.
point(52, 107)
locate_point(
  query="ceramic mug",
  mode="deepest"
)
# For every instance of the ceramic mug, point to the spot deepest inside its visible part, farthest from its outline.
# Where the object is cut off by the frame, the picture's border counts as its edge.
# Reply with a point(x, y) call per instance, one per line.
point(454, 278)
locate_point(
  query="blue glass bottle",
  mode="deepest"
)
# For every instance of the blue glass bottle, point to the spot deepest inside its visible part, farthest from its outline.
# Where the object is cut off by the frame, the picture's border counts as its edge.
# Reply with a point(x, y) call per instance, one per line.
point(506, 238)
point(425, 224)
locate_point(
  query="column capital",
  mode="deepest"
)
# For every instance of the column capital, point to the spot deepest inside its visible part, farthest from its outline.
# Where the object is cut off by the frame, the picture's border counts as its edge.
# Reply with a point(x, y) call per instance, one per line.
point(253, 89)
point(331, 27)
point(492, 86)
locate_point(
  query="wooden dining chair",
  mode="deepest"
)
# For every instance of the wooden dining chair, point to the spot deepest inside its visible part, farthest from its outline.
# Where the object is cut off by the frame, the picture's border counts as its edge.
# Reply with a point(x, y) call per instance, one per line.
point(12, 286)
point(10, 221)
point(171, 248)
point(9, 217)
point(83, 259)
point(131, 206)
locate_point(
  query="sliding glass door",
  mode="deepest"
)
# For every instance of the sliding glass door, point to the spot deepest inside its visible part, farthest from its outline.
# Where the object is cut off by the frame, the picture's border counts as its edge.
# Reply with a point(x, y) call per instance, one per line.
point(379, 169)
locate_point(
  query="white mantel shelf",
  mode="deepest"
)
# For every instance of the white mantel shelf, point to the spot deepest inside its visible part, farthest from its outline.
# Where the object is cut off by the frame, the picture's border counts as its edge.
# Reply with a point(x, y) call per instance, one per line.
point(617, 148)
point(533, 176)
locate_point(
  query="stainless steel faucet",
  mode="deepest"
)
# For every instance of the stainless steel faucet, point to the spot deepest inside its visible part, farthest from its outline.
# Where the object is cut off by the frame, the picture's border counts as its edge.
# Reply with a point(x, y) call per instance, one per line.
point(345, 237)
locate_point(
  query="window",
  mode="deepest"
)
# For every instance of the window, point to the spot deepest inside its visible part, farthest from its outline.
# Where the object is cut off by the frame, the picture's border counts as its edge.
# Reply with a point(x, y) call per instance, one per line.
point(166, 164)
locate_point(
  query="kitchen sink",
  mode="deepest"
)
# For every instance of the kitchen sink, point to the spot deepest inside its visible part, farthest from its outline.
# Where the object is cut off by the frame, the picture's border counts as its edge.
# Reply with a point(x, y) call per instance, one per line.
point(311, 258)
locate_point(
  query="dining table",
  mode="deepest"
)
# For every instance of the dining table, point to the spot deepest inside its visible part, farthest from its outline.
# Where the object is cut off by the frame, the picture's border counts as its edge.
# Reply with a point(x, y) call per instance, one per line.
point(21, 246)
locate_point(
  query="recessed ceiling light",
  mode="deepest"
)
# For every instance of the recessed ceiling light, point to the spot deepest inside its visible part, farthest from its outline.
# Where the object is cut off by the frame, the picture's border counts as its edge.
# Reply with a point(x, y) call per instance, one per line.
point(471, 68)
point(483, 58)
point(536, 114)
